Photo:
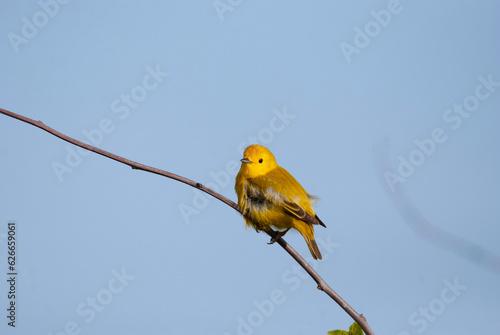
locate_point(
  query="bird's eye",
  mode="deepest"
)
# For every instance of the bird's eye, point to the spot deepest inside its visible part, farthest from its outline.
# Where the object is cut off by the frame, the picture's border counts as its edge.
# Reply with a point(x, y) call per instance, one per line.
point(261, 160)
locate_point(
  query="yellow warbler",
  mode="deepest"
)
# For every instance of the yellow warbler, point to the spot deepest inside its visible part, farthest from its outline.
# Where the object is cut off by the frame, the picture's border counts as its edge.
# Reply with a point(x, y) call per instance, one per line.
point(272, 197)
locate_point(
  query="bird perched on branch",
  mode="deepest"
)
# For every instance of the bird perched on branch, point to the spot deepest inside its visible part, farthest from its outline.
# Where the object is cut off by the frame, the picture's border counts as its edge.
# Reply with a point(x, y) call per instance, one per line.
point(272, 197)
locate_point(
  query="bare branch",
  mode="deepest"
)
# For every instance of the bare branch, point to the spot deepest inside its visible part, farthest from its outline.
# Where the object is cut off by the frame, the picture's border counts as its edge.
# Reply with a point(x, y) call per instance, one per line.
point(322, 285)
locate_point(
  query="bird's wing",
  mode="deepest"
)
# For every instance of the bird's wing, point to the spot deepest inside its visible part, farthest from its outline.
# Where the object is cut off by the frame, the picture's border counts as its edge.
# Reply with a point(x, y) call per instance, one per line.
point(294, 209)
point(265, 187)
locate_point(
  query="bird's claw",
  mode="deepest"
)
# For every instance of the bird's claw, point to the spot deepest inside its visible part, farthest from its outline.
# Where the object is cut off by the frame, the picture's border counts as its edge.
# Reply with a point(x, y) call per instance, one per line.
point(279, 234)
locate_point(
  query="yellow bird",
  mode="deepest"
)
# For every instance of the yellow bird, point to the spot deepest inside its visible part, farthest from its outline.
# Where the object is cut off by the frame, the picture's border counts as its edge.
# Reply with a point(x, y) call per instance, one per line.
point(272, 197)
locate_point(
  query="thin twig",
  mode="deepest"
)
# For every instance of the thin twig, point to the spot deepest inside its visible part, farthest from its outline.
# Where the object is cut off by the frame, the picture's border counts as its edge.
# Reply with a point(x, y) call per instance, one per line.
point(322, 285)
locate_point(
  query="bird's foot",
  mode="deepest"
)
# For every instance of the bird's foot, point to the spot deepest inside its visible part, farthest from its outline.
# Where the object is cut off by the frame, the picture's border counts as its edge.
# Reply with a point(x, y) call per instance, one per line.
point(279, 234)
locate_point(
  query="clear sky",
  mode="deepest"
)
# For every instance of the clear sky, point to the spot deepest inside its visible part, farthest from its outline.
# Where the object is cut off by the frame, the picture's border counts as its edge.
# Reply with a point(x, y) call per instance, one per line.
point(386, 110)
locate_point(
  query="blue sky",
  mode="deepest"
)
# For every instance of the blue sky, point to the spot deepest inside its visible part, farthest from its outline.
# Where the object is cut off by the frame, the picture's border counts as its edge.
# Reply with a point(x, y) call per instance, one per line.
point(386, 110)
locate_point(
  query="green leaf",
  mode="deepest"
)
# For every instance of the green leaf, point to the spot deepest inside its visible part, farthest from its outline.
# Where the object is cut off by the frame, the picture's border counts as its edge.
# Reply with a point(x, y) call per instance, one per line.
point(338, 332)
point(354, 329)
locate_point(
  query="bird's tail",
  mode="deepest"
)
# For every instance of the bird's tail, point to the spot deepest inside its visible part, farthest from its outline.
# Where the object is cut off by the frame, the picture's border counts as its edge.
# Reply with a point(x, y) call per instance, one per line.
point(307, 231)
point(313, 248)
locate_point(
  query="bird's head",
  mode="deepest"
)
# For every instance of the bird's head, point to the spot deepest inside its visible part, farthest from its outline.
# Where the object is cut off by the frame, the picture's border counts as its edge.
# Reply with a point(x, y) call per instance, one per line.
point(257, 161)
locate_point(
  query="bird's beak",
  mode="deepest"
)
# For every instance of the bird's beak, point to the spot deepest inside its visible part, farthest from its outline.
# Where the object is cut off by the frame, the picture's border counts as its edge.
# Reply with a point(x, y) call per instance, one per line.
point(245, 160)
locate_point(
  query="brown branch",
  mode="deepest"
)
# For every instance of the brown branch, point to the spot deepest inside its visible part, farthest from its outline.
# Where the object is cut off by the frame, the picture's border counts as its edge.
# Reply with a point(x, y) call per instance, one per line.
point(322, 285)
